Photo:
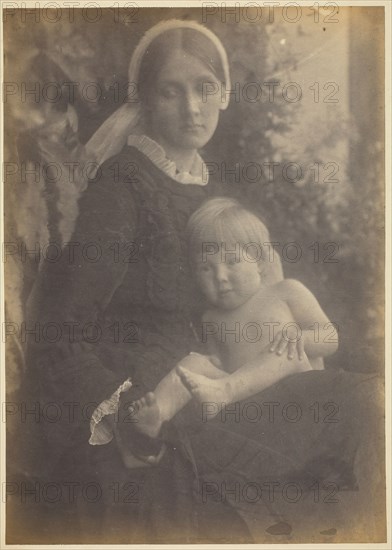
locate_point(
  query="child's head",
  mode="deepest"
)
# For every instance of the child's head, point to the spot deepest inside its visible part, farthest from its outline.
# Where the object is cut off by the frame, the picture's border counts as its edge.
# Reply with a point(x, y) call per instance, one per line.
point(229, 248)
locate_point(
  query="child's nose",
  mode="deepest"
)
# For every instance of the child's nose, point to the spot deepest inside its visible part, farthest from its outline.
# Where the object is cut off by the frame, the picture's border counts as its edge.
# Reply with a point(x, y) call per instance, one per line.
point(221, 273)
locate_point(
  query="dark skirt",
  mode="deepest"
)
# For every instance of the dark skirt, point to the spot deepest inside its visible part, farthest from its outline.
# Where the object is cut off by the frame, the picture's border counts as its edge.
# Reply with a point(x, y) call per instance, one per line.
point(313, 437)
point(319, 433)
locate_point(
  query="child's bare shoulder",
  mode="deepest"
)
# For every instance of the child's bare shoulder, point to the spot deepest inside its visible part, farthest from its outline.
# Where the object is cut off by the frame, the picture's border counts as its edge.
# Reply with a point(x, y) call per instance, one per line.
point(290, 289)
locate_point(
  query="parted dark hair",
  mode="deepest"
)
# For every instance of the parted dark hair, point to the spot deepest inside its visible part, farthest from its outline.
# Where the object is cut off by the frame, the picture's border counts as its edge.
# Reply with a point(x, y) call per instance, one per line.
point(187, 40)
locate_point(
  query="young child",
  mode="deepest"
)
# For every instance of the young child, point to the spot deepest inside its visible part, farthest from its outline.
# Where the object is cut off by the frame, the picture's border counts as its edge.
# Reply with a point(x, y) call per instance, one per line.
point(253, 311)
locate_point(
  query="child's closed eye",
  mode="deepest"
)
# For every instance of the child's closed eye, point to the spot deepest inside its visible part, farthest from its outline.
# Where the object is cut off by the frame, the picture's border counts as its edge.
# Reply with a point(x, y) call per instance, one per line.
point(233, 261)
point(203, 268)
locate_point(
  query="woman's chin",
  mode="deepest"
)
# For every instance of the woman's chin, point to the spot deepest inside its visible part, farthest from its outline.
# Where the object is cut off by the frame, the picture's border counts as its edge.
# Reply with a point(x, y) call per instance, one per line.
point(194, 138)
point(193, 141)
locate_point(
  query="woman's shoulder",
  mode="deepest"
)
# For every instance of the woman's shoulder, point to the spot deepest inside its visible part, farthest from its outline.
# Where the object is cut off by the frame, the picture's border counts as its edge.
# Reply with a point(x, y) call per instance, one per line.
point(132, 176)
point(125, 166)
point(129, 169)
point(120, 178)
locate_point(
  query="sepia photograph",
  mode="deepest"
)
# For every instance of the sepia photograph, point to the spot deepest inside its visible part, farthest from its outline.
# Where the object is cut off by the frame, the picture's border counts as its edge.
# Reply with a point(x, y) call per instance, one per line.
point(195, 203)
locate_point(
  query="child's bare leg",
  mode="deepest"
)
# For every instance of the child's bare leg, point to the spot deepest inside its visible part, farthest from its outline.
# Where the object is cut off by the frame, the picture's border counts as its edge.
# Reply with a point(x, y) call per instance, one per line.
point(255, 376)
point(207, 389)
point(170, 395)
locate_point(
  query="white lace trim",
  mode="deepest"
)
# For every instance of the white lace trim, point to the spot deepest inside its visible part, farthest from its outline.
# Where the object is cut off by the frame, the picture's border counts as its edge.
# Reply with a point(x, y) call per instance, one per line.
point(101, 432)
point(198, 173)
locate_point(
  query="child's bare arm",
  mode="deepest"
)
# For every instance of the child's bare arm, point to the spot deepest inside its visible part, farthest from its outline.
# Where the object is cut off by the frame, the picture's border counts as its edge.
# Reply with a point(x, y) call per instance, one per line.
point(316, 335)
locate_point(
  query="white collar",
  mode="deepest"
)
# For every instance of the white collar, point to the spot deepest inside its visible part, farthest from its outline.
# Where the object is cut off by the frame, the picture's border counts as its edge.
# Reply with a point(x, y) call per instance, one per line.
point(197, 175)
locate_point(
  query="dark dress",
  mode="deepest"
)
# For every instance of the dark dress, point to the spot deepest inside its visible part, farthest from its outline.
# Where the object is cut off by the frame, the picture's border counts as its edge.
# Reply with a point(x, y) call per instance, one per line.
point(128, 278)
point(124, 282)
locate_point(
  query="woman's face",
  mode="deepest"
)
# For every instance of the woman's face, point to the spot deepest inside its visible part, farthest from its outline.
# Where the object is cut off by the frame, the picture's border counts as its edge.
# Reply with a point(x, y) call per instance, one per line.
point(182, 115)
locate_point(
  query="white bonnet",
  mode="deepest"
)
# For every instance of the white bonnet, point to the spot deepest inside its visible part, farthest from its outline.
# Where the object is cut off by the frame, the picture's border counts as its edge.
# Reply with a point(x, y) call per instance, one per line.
point(168, 25)
point(112, 135)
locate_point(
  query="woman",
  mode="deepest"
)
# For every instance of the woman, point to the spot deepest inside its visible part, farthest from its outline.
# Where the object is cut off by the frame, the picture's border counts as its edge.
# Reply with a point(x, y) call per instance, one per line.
point(124, 299)
point(138, 294)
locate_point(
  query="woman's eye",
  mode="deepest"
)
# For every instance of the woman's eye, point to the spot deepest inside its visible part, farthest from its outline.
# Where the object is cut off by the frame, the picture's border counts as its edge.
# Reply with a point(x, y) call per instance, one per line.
point(169, 93)
point(204, 268)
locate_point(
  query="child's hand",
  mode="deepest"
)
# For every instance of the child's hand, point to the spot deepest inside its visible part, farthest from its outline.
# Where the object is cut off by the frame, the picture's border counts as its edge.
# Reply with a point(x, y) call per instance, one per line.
point(289, 341)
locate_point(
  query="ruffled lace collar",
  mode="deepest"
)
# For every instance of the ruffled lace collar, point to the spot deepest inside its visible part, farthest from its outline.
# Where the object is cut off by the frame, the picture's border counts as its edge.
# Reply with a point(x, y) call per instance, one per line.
point(198, 174)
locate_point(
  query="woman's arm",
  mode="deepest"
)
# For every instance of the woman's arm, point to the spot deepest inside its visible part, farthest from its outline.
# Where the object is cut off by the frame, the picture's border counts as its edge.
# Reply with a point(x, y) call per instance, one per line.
point(70, 296)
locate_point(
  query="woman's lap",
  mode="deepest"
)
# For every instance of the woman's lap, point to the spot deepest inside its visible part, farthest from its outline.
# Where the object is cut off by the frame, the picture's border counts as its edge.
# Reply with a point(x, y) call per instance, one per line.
point(307, 427)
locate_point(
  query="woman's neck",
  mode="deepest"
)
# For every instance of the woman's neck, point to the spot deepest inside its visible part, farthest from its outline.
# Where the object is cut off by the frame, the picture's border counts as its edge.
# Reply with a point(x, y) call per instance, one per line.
point(184, 159)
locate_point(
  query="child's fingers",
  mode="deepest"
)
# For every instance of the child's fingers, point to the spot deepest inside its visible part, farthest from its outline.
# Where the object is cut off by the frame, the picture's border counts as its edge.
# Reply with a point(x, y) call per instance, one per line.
point(291, 350)
point(276, 341)
point(300, 349)
point(281, 347)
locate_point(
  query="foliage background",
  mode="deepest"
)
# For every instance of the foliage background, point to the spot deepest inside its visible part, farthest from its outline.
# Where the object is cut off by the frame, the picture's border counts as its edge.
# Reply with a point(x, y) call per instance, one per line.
point(349, 213)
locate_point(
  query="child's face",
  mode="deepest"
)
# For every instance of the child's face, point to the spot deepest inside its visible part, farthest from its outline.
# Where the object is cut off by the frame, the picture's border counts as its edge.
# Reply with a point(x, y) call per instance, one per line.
point(227, 280)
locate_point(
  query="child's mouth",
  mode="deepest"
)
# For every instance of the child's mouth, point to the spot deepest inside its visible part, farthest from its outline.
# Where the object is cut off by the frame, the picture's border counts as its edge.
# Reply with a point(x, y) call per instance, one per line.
point(225, 292)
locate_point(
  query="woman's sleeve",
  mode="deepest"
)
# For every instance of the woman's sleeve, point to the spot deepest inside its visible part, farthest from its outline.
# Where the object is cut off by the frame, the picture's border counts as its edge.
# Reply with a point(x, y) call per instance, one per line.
point(66, 305)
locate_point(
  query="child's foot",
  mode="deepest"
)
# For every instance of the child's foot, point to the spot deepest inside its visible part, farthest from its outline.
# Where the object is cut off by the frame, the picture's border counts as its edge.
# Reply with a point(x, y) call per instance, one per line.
point(146, 415)
point(204, 389)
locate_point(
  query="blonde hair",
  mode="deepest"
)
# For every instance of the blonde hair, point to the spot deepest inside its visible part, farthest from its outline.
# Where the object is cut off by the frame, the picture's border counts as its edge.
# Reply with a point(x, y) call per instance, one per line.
point(221, 221)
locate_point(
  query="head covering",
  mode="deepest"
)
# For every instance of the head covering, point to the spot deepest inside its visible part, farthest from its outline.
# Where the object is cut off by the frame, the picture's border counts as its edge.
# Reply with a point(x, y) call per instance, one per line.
point(112, 135)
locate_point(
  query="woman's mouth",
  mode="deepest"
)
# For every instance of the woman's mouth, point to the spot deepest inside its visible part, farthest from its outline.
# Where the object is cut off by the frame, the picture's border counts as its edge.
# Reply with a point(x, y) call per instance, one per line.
point(192, 127)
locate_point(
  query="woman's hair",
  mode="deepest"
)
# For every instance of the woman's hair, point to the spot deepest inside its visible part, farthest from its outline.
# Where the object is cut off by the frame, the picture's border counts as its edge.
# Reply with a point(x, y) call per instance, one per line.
point(187, 40)
point(225, 222)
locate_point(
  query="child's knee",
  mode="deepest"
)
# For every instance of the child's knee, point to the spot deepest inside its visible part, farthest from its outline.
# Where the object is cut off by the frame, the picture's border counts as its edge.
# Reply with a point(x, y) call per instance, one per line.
point(201, 364)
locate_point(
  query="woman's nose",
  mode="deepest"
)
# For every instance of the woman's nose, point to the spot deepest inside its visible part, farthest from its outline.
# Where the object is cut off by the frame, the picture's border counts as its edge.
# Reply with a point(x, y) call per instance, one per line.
point(192, 103)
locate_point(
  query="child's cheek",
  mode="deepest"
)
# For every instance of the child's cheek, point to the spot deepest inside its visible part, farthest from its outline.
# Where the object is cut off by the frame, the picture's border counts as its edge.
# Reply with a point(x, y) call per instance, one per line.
point(204, 286)
point(247, 279)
